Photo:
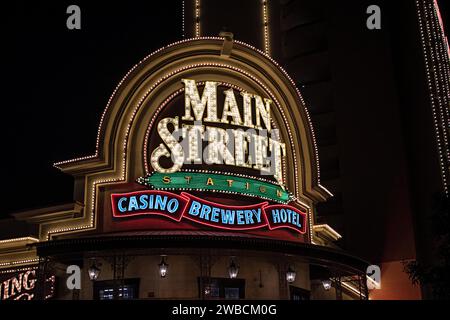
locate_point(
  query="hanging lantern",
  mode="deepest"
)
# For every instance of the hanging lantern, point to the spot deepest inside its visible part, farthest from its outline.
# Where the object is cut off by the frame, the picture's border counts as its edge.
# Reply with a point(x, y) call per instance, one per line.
point(93, 272)
point(326, 284)
point(163, 266)
point(233, 270)
point(290, 275)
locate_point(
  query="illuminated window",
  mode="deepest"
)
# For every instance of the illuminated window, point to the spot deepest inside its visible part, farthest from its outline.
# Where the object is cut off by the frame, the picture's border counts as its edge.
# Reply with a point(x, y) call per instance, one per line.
point(107, 290)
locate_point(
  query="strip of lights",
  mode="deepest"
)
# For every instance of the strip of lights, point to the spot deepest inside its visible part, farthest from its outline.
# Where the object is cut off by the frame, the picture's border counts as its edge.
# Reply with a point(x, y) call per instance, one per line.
point(13, 263)
point(437, 65)
point(266, 26)
point(18, 269)
point(197, 18)
point(444, 72)
point(19, 239)
point(443, 93)
point(183, 19)
point(441, 23)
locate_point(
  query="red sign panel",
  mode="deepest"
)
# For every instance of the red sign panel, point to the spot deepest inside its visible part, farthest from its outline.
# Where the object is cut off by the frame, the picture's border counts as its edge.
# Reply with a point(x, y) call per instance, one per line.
point(223, 216)
point(284, 216)
point(216, 215)
point(149, 202)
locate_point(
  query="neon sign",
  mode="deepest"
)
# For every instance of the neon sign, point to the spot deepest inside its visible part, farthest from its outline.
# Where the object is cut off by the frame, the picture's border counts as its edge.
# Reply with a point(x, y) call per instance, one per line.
point(215, 215)
point(226, 183)
point(224, 216)
point(22, 286)
point(137, 203)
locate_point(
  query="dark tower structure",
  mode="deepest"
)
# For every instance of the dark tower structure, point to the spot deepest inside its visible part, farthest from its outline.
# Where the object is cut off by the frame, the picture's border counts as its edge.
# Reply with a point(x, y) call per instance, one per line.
point(379, 101)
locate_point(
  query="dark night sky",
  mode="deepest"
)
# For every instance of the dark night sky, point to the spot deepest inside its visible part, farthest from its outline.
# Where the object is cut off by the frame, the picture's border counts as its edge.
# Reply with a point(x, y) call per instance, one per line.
point(58, 82)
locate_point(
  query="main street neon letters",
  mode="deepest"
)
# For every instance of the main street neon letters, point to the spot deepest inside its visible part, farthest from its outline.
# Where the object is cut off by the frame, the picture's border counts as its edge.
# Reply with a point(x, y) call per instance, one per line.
point(233, 147)
point(176, 207)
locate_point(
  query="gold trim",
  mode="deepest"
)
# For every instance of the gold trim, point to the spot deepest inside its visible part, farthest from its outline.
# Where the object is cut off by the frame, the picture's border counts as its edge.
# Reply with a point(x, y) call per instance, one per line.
point(327, 232)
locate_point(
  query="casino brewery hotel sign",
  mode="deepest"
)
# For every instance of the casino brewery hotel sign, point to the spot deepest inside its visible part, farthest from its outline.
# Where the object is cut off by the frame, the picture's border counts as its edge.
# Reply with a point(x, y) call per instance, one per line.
point(205, 140)
point(198, 136)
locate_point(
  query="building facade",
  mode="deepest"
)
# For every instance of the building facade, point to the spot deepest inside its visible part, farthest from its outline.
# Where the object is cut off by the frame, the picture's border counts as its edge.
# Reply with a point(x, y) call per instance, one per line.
point(206, 161)
point(206, 180)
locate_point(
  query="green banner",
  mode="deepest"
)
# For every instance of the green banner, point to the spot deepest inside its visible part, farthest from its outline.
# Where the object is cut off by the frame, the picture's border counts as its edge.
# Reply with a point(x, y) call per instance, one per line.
point(216, 182)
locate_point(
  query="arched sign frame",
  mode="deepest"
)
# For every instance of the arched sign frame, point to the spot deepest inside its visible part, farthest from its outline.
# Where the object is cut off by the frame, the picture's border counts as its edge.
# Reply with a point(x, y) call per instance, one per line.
point(121, 138)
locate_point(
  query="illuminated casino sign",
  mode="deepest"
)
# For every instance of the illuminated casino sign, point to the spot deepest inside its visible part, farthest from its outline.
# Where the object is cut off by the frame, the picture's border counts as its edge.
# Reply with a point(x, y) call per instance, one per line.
point(21, 285)
point(215, 129)
point(177, 207)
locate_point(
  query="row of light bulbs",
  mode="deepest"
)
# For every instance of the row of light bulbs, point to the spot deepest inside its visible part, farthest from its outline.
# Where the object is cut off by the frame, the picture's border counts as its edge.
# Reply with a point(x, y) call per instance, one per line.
point(437, 63)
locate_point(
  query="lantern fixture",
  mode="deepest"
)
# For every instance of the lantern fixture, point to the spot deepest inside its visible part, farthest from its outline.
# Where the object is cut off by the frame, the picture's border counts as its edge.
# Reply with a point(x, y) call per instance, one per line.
point(233, 269)
point(93, 271)
point(163, 266)
point(326, 284)
point(290, 275)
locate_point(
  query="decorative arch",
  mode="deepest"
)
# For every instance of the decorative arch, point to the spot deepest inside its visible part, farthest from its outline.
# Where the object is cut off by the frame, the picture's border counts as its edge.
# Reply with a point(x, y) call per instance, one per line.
point(148, 85)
